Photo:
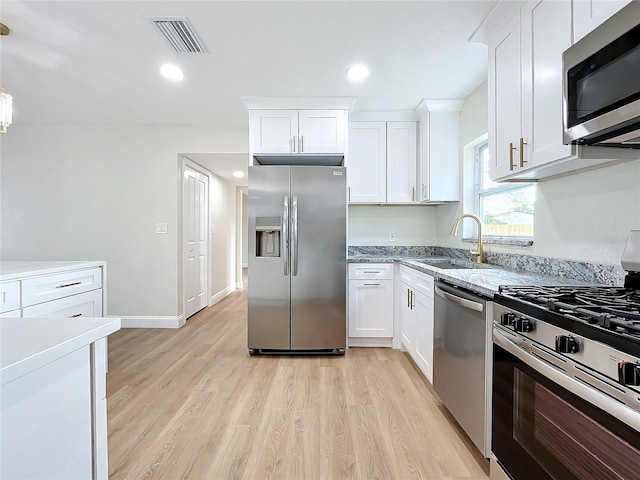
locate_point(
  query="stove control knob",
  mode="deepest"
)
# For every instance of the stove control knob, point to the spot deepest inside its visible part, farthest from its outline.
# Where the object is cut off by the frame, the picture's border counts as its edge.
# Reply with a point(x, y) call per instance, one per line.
point(629, 373)
point(522, 324)
point(566, 344)
point(507, 318)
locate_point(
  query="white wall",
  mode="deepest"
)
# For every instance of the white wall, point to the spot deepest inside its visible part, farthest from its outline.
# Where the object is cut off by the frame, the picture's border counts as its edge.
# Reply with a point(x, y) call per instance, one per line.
point(413, 225)
point(223, 240)
point(584, 216)
point(96, 192)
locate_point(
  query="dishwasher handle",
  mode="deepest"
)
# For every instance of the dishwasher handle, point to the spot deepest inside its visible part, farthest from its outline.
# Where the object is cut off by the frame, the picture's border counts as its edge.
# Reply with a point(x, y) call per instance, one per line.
point(463, 302)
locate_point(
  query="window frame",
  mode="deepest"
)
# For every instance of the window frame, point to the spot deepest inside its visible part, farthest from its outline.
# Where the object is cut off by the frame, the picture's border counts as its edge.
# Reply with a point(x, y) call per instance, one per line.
point(480, 193)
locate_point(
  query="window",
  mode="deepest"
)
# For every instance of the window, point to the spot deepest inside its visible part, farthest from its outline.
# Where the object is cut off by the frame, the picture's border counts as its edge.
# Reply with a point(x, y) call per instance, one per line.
point(506, 209)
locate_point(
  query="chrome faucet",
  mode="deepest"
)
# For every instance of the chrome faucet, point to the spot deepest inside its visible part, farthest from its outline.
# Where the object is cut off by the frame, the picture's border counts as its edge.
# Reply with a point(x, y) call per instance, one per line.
point(479, 254)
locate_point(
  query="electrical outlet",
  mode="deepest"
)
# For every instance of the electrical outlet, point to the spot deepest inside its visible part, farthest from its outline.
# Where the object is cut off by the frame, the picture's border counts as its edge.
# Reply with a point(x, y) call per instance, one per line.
point(392, 236)
point(161, 228)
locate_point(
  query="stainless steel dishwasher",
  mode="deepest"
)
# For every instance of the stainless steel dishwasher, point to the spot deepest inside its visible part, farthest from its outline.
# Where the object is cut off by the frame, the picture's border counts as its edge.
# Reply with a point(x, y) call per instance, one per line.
point(461, 362)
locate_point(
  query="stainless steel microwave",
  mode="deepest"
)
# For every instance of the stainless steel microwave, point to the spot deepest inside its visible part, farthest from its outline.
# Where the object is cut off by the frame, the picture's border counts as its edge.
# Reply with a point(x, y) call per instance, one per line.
point(601, 84)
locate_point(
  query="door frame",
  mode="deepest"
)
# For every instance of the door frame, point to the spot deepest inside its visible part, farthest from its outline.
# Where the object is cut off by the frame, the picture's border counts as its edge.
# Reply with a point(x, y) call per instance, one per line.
point(188, 163)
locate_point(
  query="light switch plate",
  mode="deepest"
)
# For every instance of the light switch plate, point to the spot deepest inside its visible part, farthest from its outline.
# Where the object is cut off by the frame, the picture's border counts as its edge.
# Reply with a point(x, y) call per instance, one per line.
point(392, 236)
point(161, 228)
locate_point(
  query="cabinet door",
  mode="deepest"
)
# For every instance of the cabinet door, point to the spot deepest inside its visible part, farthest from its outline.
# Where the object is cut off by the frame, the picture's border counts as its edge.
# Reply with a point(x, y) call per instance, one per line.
point(505, 111)
point(321, 131)
point(88, 304)
point(9, 296)
point(371, 308)
point(367, 167)
point(407, 317)
point(274, 131)
point(424, 334)
point(401, 162)
point(46, 421)
point(546, 33)
point(440, 160)
point(588, 14)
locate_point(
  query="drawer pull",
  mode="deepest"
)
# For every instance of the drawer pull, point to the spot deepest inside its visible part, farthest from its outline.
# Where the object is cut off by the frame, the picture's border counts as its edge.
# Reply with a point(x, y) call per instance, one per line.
point(76, 315)
point(68, 285)
point(371, 284)
point(371, 271)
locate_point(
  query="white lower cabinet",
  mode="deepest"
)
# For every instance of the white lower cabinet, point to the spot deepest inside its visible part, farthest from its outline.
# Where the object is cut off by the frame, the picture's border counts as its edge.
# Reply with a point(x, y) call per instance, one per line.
point(88, 304)
point(370, 305)
point(416, 318)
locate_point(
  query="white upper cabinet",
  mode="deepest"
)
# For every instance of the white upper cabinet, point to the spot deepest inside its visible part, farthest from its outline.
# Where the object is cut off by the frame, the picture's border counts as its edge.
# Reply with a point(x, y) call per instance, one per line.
point(439, 150)
point(321, 131)
point(382, 162)
point(367, 168)
point(505, 94)
point(274, 131)
point(546, 33)
point(588, 14)
point(297, 131)
point(525, 95)
point(401, 162)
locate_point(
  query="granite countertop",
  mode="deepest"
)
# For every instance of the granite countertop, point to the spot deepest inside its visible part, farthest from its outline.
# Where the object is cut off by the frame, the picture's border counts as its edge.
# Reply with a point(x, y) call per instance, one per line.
point(484, 279)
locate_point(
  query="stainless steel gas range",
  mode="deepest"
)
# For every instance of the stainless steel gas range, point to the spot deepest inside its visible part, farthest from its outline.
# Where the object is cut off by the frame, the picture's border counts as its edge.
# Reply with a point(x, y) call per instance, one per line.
point(566, 383)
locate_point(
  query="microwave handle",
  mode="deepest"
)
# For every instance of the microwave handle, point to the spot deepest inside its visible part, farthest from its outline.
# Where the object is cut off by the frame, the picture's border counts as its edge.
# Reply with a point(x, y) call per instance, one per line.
point(613, 407)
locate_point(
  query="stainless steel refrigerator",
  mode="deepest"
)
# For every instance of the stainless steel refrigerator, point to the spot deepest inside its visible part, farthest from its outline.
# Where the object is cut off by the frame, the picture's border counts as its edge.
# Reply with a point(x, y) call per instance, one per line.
point(297, 259)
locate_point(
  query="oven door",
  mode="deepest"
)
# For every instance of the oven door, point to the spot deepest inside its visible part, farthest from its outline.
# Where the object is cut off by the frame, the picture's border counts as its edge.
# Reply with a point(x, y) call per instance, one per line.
point(546, 427)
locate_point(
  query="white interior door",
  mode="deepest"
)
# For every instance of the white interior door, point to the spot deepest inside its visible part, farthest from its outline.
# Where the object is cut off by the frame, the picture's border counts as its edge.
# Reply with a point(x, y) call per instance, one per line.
point(195, 224)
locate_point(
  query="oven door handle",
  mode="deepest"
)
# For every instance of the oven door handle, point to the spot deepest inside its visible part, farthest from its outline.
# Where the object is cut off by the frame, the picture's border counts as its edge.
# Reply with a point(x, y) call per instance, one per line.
point(620, 411)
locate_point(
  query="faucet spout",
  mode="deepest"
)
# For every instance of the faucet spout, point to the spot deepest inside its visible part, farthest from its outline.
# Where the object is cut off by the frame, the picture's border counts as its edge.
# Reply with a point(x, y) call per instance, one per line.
point(479, 253)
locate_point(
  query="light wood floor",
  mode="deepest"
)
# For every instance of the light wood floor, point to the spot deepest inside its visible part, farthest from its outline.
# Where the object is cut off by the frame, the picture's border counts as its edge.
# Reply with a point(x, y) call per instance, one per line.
point(191, 403)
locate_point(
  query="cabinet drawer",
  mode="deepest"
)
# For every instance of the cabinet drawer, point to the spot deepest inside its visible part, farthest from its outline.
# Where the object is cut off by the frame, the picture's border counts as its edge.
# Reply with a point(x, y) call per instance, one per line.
point(51, 287)
point(408, 275)
point(88, 304)
point(9, 296)
point(380, 271)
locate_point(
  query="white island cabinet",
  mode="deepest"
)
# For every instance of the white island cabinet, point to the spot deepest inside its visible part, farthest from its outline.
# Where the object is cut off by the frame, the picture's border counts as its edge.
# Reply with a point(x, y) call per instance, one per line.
point(53, 407)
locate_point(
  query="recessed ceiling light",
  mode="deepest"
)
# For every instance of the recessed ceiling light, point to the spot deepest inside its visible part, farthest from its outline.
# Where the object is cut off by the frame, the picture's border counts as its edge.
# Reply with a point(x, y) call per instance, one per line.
point(238, 174)
point(357, 73)
point(171, 72)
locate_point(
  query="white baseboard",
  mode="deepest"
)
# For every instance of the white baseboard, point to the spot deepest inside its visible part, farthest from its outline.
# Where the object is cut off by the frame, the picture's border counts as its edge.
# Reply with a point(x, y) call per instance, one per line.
point(245, 265)
point(239, 285)
point(153, 322)
point(221, 294)
point(370, 342)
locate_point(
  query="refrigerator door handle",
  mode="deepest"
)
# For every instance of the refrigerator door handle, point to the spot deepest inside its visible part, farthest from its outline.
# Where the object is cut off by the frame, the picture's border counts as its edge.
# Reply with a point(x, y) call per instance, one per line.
point(294, 235)
point(284, 240)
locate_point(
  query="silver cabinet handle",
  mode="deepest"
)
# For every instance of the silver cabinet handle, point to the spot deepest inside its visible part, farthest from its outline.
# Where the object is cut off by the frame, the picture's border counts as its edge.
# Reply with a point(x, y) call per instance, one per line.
point(349, 193)
point(413, 299)
point(620, 411)
point(294, 235)
point(408, 298)
point(68, 285)
point(471, 305)
point(413, 194)
point(301, 143)
point(284, 238)
point(371, 284)
point(424, 192)
point(522, 144)
point(76, 315)
point(371, 271)
point(293, 144)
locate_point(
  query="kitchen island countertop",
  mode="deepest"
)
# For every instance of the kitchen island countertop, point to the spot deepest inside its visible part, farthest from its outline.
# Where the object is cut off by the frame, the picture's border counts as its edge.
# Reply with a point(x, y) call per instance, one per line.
point(484, 279)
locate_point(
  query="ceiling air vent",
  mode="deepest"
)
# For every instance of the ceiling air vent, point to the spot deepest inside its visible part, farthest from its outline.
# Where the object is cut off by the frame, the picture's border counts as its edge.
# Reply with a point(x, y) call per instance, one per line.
point(180, 34)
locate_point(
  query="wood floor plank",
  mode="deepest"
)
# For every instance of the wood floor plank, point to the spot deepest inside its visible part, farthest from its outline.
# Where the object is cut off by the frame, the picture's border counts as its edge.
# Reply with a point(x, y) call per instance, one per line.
point(191, 403)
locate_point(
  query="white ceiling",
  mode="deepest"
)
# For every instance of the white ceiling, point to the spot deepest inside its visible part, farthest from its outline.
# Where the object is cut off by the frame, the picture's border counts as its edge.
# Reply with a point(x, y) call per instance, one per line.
point(89, 62)
point(223, 165)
